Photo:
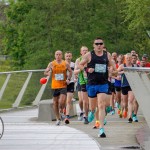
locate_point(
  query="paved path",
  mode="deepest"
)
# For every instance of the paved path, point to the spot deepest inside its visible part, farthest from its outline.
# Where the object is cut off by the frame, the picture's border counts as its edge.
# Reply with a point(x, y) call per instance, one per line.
point(24, 132)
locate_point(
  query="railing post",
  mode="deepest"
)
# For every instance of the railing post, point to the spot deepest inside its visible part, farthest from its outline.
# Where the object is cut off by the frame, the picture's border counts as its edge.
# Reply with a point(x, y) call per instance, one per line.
point(39, 95)
point(20, 95)
point(4, 86)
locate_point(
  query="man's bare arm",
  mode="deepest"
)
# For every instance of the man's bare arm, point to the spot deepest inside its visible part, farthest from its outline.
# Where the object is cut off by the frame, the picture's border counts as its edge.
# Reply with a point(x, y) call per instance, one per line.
point(114, 71)
point(70, 72)
point(84, 61)
point(48, 70)
point(76, 68)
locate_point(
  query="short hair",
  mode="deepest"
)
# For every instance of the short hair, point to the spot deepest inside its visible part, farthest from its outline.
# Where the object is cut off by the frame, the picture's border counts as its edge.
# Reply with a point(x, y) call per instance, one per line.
point(58, 51)
point(68, 52)
point(134, 55)
point(84, 47)
point(133, 51)
point(115, 53)
point(128, 54)
point(98, 38)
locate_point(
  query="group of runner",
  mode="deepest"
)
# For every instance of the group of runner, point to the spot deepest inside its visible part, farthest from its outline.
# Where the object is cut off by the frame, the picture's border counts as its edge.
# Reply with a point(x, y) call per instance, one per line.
point(101, 84)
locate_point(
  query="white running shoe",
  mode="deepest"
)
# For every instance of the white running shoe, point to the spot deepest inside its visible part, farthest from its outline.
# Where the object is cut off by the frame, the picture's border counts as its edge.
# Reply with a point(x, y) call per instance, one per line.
point(58, 122)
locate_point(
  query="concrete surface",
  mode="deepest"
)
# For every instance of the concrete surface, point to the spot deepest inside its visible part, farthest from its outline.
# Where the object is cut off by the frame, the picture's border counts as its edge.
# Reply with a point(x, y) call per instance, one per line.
point(23, 131)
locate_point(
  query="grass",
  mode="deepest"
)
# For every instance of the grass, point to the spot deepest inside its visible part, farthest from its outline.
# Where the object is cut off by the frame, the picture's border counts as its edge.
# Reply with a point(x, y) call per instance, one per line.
point(15, 85)
point(5, 104)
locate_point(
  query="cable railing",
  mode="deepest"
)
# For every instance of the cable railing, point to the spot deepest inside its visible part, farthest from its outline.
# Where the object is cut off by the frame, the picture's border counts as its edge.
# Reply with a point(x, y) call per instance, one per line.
point(139, 80)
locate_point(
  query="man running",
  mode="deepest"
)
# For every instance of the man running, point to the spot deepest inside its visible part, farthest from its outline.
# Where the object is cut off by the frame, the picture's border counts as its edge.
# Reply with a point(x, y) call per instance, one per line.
point(57, 69)
point(97, 62)
point(70, 86)
point(82, 80)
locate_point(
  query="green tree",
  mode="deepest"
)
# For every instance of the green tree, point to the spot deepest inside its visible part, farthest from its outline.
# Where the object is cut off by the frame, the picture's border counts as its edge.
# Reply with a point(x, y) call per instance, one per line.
point(137, 16)
point(33, 30)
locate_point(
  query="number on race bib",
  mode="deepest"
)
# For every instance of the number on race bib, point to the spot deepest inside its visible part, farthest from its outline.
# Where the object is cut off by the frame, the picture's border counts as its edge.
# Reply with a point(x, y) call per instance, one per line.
point(101, 68)
point(59, 76)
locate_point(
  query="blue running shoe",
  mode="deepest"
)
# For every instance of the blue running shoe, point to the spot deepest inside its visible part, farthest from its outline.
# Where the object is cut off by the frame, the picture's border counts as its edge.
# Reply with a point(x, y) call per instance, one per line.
point(101, 133)
point(112, 112)
point(105, 121)
point(133, 114)
point(91, 116)
point(135, 119)
point(108, 109)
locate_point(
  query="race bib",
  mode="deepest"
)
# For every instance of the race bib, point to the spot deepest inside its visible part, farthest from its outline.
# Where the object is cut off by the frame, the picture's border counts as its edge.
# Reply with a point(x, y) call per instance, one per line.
point(101, 68)
point(59, 76)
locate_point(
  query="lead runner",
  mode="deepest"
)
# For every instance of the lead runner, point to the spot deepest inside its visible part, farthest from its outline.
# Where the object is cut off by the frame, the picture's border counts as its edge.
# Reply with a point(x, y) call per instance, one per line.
point(98, 62)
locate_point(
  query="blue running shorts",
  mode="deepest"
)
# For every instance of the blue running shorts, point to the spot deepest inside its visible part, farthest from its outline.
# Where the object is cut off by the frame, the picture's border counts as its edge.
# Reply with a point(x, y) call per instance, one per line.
point(93, 90)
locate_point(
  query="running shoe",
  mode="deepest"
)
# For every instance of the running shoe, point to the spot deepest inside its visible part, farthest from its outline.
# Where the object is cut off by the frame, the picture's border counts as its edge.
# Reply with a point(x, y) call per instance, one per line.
point(132, 114)
point(97, 124)
point(101, 133)
point(67, 121)
point(112, 112)
point(62, 115)
point(124, 114)
point(105, 121)
point(80, 118)
point(91, 116)
point(130, 120)
point(85, 120)
point(135, 119)
point(120, 114)
point(58, 122)
point(108, 109)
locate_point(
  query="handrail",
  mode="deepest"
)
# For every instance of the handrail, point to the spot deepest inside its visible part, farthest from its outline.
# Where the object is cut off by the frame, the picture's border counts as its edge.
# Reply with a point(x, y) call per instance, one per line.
point(23, 89)
point(22, 71)
point(139, 80)
point(140, 69)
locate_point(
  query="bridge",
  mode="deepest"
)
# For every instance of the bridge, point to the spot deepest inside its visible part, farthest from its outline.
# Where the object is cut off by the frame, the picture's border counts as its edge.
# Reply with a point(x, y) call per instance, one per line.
point(24, 131)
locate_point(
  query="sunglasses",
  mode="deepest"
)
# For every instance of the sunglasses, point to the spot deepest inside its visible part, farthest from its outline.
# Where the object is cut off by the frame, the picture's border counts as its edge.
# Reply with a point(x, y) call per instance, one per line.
point(98, 43)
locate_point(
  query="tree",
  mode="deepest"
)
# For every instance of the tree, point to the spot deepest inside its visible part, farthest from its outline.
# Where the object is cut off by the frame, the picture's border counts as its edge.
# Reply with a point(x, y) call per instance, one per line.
point(33, 30)
point(137, 16)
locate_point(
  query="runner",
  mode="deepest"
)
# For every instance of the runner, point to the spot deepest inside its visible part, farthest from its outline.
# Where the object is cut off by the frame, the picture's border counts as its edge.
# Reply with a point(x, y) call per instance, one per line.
point(57, 70)
point(135, 103)
point(127, 94)
point(82, 80)
point(70, 87)
point(117, 85)
point(97, 62)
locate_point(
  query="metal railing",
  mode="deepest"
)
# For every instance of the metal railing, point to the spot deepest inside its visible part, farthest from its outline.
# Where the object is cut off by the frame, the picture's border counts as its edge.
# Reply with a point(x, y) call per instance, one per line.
point(24, 87)
point(139, 80)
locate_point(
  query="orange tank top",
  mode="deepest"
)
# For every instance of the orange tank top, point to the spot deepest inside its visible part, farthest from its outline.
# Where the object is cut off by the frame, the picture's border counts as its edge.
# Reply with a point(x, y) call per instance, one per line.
point(59, 75)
